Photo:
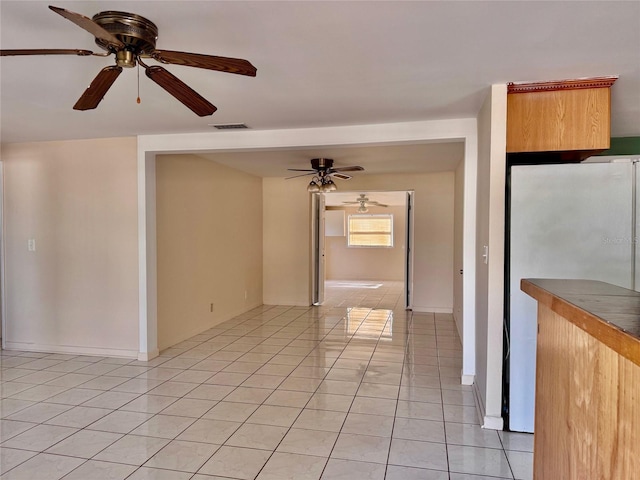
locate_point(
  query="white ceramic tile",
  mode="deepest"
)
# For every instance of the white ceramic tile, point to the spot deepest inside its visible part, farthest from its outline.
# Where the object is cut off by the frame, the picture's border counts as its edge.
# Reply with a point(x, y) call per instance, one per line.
point(9, 406)
point(265, 437)
point(376, 425)
point(39, 438)
point(40, 412)
point(479, 461)
point(320, 420)
point(132, 450)
point(374, 406)
point(395, 472)
point(55, 466)
point(290, 466)
point(182, 456)
point(84, 444)
point(149, 403)
point(228, 378)
point(308, 442)
point(189, 407)
point(249, 395)
point(111, 400)
point(163, 426)
point(137, 385)
point(120, 421)
point(416, 429)
point(521, 464)
point(413, 453)
point(11, 457)
point(210, 392)
point(78, 417)
point(420, 410)
point(287, 398)
point(236, 462)
point(39, 393)
point(361, 448)
point(275, 415)
point(338, 469)
point(209, 431)
point(471, 435)
point(74, 396)
point(231, 411)
point(516, 441)
point(101, 470)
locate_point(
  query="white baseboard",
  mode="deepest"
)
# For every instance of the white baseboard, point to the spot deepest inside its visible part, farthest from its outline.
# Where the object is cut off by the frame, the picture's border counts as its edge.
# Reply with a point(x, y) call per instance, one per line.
point(467, 379)
point(431, 309)
point(490, 422)
point(72, 350)
point(146, 356)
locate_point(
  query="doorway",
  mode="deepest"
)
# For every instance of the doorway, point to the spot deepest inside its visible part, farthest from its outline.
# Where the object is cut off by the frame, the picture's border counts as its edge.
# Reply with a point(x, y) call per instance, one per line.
point(361, 252)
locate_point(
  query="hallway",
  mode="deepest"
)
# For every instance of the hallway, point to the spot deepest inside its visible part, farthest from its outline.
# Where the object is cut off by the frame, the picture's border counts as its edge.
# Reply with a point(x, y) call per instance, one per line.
point(356, 389)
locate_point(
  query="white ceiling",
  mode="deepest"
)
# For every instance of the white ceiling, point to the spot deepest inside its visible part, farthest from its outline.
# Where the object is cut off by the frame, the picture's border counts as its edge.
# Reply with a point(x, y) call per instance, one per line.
point(320, 63)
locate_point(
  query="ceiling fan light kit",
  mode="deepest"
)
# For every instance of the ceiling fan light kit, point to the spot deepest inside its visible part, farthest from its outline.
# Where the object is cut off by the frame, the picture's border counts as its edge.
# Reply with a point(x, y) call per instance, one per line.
point(132, 37)
point(322, 170)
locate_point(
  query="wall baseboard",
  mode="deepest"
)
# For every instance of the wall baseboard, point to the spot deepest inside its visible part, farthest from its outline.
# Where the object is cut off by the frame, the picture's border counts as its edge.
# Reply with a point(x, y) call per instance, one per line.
point(431, 309)
point(490, 422)
point(467, 379)
point(72, 350)
point(146, 356)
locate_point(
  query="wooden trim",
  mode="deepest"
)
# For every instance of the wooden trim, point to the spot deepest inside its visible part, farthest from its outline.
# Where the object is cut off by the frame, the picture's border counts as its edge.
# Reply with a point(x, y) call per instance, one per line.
point(595, 82)
point(618, 340)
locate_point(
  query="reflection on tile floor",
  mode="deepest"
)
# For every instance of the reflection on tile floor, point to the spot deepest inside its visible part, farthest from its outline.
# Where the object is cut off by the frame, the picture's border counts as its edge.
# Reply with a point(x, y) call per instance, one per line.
point(356, 389)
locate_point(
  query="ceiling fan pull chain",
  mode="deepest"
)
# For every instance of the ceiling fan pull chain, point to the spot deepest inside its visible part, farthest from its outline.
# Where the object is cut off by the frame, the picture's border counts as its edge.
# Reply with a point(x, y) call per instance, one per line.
point(138, 99)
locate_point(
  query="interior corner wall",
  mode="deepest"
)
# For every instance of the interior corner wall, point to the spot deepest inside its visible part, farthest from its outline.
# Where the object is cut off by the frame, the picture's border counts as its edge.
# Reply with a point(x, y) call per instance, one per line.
point(76, 289)
point(490, 240)
point(209, 245)
point(286, 242)
point(363, 263)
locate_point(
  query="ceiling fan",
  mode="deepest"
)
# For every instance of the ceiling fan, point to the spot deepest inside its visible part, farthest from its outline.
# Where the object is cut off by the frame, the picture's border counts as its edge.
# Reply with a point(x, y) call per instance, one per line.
point(131, 38)
point(364, 202)
point(323, 171)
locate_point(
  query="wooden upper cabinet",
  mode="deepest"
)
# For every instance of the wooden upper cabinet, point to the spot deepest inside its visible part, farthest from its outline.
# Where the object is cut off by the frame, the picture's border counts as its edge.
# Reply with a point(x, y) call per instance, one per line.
point(565, 116)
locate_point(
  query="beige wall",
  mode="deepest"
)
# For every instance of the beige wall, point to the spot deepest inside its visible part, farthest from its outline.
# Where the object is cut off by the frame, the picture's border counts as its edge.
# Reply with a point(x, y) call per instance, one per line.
point(78, 291)
point(286, 241)
point(209, 240)
point(353, 263)
point(286, 236)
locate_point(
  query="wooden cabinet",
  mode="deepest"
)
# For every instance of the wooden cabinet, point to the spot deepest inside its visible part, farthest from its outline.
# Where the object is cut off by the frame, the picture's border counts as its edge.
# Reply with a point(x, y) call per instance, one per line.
point(587, 423)
point(566, 116)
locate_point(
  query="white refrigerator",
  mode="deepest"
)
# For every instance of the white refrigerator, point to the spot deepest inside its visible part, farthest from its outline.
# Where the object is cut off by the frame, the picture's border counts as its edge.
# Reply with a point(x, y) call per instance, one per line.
point(565, 221)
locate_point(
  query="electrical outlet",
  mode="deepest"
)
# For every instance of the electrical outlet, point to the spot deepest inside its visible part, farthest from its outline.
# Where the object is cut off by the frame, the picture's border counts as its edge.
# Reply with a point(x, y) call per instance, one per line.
point(31, 244)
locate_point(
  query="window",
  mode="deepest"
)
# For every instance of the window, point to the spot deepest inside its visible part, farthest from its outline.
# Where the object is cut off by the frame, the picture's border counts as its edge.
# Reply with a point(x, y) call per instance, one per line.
point(370, 230)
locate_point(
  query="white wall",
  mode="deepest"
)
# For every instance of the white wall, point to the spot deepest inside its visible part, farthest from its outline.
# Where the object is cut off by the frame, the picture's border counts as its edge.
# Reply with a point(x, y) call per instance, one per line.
point(286, 244)
point(209, 245)
point(78, 291)
point(362, 263)
point(458, 237)
point(490, 275)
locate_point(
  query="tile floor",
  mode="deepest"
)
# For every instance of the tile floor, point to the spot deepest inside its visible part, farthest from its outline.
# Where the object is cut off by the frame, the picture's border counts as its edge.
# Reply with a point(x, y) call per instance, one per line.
point(356, 389)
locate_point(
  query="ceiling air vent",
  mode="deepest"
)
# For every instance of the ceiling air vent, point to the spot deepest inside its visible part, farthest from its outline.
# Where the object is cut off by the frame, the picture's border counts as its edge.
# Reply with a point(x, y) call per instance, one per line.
point(229, 126)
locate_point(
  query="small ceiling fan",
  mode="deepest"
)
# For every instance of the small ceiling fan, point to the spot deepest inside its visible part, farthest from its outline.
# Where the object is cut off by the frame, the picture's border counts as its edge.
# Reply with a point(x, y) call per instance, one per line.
point(364, 202)
point(323, 170)
point(131, 38)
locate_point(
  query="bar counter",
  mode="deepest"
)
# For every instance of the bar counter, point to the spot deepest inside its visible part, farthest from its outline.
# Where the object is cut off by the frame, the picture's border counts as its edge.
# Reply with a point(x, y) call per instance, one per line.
point(587, 416)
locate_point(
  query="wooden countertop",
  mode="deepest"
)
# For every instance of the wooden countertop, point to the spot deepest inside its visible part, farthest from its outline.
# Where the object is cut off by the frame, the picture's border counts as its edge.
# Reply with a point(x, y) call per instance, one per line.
point(607, 312)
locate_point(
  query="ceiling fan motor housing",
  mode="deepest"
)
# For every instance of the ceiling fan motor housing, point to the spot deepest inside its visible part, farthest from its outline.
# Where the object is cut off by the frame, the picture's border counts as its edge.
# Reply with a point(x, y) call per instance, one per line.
point(137, 33)
point(321, 164)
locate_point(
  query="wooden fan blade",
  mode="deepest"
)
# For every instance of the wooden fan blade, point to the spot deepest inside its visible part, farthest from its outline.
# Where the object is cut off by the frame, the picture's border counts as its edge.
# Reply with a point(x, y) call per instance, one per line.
point(181, 91)
point(90, 26)
point(341, 176)
point(94, 94)
point(353, 168)
point(303, 175)
point(210, 62)
point(45, 51)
